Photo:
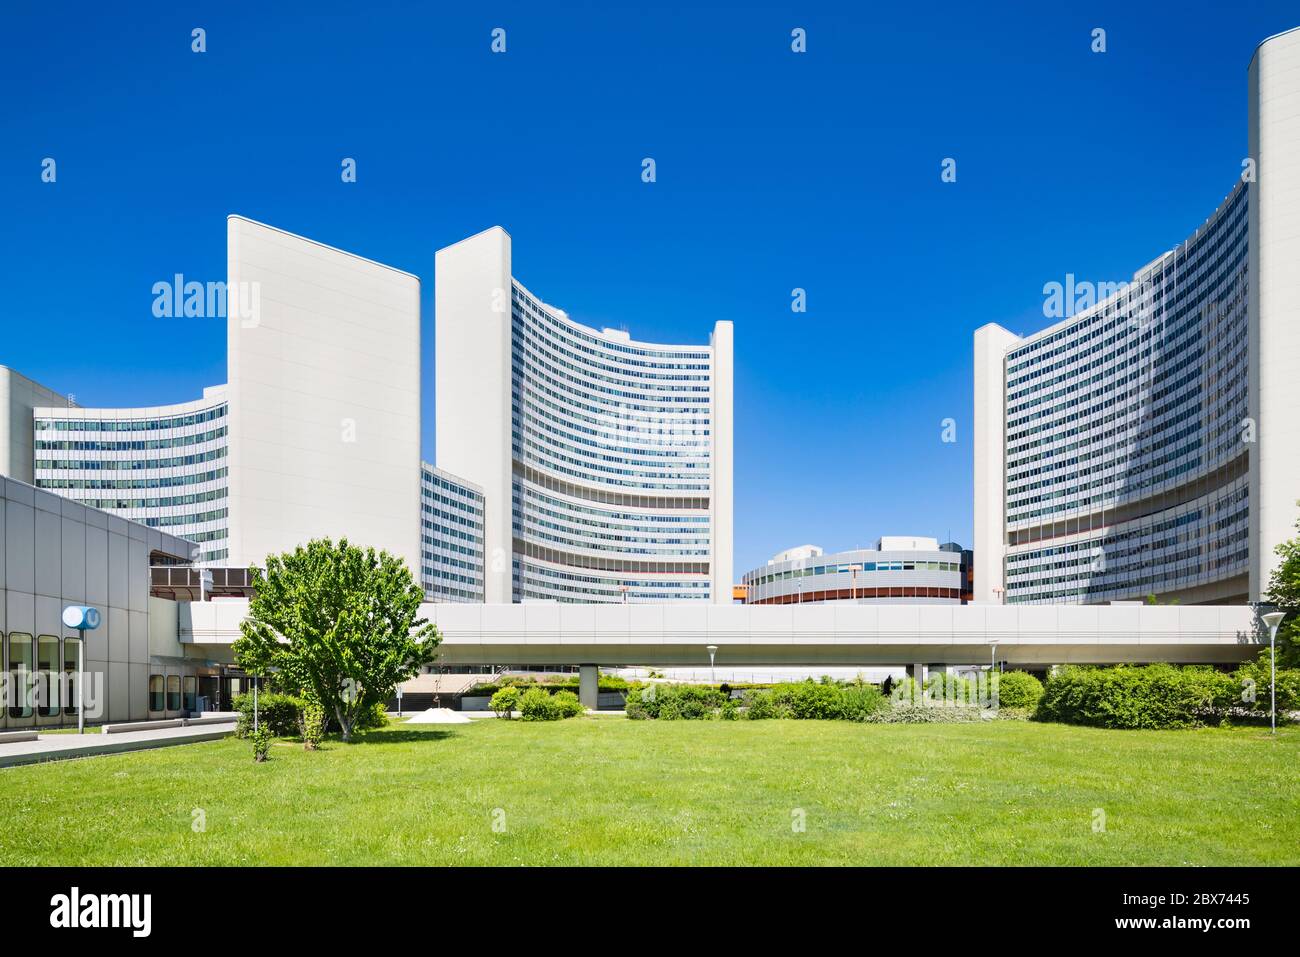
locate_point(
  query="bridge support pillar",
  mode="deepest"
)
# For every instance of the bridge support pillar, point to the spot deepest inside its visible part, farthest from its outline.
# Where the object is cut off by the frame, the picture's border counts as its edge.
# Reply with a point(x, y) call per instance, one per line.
point(917, 671)
point(589, 686)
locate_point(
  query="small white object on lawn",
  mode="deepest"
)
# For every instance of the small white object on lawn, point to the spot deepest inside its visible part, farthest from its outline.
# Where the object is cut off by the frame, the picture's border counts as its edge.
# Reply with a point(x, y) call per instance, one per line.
point(438, 716)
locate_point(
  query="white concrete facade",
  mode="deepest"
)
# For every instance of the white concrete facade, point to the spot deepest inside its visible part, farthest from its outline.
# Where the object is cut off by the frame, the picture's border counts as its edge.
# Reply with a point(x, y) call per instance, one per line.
point(991, 345)
point(1274, 300)
point(472, 385)
point(839, 634)
point(723, 458)
point(19, 395)
point(324, 395)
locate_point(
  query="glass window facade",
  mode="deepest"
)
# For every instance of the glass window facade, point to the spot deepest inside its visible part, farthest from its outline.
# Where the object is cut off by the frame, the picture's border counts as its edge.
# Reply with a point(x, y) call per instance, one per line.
point(611, 442)
point(451, 537)
point(164, 467)
point(1126, 455)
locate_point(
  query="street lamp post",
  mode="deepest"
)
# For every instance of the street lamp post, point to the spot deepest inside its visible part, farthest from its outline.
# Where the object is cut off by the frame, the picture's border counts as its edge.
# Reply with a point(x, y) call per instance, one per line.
point(81, 681)
point(712, 650)
point(1273, 619)
point(256, 677)
point(83, 618)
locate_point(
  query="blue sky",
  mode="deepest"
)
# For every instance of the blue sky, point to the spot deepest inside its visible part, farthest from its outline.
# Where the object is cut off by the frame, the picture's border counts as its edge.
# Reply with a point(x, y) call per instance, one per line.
point(775, 171)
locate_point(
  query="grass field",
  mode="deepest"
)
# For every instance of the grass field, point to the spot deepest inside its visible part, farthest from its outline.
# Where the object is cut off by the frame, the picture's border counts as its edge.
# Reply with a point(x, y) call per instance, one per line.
point(612, 791)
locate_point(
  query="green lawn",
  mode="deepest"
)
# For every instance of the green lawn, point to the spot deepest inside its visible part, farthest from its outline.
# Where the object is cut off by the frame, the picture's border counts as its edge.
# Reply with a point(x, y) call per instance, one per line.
point(612, 791)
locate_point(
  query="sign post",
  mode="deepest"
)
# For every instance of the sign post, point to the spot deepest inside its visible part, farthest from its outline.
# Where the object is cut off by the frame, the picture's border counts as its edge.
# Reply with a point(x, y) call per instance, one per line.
point(83, 619)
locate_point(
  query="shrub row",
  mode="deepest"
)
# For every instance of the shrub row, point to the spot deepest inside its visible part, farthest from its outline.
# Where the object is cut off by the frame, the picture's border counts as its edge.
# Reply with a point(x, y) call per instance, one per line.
point(675, 702)
point(1013, 689)
point(800, 700)
point(532, 705)
point(809, 700)
point(1162, 696)
point(549, 683)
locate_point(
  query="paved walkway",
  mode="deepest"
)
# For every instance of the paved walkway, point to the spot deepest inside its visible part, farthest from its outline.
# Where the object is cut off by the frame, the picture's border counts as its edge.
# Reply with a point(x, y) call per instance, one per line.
point(58, 747)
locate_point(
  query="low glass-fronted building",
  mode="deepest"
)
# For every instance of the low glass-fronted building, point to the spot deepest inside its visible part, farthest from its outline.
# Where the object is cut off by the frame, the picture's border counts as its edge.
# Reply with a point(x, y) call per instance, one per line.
point(899, 569)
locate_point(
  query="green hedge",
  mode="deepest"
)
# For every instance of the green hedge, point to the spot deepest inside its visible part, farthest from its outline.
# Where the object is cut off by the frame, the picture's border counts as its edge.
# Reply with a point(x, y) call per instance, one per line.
point(1148, 696)
point(674, 702)
point(809, 700)
point(552, 683)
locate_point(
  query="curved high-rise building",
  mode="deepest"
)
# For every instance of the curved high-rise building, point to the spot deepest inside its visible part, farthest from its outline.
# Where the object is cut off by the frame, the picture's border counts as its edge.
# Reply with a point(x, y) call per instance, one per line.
point(605, 462)
point(162, 466)
point(1147, 444)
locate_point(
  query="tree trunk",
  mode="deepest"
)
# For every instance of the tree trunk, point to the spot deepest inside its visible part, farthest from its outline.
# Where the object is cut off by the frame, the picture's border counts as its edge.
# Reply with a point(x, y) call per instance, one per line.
point(345, 723)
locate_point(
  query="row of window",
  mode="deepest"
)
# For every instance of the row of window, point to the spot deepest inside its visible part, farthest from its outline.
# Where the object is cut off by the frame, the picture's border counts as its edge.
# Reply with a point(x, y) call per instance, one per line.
point(1196, 544)
point(131, 465)
point(166, 501)
point(847, 569)
point(129, 445)
point(591, 373)
point(43, 674)
point(1233, 210)
point(851, 594)
point(537, 581)
point(41, 680)
point(165, 693)
point(519, 295)
point(157, 481)
point(130, 425)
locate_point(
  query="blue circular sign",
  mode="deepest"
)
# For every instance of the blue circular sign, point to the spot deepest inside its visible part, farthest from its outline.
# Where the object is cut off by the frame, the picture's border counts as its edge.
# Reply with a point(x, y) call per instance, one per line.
point(81, 617)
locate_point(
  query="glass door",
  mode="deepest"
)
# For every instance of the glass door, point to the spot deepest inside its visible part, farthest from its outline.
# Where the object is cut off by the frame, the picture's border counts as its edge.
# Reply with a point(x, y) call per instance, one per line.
point(71, 646)
point(48, 698)
point(21, 656)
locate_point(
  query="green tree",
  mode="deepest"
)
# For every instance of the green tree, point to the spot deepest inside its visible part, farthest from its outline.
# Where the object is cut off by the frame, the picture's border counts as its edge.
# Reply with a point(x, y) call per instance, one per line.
point(338, 623)
point(1284, 592)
